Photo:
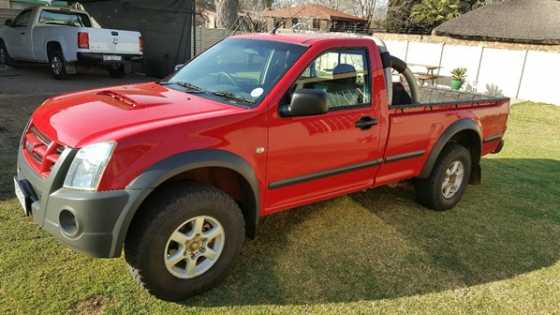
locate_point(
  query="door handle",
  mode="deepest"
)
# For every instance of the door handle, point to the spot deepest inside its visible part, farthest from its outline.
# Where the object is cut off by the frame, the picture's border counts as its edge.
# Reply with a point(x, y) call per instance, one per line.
point(366, 122)
point(22, 33)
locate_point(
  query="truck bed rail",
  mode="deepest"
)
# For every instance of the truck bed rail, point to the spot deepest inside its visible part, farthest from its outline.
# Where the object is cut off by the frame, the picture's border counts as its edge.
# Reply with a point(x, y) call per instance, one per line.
point(431, 97)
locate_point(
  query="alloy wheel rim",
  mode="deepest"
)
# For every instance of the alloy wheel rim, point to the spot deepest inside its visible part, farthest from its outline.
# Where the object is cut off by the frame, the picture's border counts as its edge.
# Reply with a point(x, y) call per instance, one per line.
point(194, 247)
point(56, 65)
point(453, 179)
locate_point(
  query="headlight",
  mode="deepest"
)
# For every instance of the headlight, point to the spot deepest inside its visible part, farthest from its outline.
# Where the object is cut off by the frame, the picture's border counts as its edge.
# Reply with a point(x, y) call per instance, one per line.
point(88, 166)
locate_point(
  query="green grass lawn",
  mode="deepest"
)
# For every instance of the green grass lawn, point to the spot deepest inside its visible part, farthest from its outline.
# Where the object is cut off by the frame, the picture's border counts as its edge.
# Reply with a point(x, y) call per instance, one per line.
point(498, 251)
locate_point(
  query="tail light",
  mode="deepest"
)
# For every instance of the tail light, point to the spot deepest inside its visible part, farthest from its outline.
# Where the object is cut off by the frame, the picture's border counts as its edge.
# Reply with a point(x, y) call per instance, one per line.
point(83, 40)
point(141, 42)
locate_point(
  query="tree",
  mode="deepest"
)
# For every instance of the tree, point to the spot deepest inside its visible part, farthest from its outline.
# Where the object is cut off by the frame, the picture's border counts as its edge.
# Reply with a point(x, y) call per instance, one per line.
point(226, 13)
point(254, 5)
point(431, 13)
point(365, 9)
point(475, 4)
point(398, 16)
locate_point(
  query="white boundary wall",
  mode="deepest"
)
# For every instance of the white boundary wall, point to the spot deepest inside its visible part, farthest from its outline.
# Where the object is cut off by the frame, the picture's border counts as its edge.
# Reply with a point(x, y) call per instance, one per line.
point(520, 74)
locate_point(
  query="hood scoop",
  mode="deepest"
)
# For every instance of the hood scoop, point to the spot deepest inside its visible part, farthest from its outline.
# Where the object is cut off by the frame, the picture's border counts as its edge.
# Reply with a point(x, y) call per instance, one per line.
point(119, 100)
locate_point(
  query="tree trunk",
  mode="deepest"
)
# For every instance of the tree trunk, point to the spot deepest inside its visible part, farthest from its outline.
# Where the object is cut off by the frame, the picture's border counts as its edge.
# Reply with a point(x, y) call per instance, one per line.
point(267, 4)
point(226, 13)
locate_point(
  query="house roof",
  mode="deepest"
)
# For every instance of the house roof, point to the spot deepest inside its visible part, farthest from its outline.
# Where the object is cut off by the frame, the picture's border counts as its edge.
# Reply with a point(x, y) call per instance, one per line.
point(521, 21)
point(311, 11)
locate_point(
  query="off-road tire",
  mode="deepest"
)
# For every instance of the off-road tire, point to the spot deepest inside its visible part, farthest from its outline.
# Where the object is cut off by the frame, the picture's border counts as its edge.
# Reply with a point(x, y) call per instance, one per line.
point(429, 190)
point(159, 217)
point(57, 64)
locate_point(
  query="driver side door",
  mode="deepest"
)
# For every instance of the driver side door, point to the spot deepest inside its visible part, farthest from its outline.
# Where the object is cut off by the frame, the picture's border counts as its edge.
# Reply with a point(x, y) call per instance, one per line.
point(17, 35)
point(319, 156)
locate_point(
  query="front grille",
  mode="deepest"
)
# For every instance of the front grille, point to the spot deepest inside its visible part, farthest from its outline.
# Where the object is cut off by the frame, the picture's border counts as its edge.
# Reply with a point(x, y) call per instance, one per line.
point(41, 151)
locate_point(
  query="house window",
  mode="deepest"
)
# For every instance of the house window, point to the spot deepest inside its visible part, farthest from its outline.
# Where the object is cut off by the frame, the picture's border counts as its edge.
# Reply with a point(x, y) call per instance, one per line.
point(316, 23)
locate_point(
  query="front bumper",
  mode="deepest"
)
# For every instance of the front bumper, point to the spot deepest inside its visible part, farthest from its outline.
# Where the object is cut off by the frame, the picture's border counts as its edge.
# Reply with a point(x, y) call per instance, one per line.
point(99, 216)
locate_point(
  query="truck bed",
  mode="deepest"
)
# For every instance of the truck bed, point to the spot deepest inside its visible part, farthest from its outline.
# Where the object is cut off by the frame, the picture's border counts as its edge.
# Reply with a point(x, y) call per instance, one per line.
point(415, 127)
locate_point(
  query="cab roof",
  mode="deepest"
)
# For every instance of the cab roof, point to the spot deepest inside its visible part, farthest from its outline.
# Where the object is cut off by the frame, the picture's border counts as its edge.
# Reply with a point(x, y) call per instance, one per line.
point(303, 38)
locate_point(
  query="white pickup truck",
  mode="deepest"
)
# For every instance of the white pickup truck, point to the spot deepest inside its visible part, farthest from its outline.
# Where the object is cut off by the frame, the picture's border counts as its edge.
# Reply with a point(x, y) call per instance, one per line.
point(64, 38)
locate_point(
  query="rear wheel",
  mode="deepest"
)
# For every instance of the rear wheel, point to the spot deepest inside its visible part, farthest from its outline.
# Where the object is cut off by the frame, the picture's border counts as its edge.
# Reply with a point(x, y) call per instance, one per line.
point(447, 183)
point(57, 64)
point(117, 71)
point(185, 241)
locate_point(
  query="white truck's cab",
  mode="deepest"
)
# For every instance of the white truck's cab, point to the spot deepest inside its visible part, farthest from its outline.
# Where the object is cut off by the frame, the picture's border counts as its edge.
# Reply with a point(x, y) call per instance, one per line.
point(64, 37)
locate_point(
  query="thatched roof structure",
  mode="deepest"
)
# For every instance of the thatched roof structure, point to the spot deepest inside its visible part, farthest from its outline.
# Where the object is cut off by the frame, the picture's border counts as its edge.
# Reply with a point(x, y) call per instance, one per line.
point(519, 21)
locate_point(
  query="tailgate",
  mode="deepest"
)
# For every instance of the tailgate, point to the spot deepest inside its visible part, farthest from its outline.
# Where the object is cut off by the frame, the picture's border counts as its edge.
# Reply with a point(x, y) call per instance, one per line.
point(114, 41)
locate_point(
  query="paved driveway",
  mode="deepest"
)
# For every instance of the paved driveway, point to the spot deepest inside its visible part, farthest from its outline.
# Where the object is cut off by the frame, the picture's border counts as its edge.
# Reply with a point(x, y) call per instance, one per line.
point(22, 90)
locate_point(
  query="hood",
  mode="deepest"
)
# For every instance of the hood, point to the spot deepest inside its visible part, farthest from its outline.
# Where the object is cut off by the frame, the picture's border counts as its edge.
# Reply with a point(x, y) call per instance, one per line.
point(85, 117)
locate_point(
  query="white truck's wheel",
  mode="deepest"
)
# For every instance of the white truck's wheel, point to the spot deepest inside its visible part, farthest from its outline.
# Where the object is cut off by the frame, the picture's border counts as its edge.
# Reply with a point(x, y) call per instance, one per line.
point(57, 64)
point(5, 58)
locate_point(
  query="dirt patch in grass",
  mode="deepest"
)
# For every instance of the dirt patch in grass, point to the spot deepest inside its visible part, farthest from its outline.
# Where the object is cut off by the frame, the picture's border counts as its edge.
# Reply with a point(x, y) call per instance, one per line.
point(94, 304)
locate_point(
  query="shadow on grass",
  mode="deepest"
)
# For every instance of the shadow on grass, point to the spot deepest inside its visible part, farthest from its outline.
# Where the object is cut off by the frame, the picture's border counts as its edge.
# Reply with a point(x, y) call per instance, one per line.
point(380, 244)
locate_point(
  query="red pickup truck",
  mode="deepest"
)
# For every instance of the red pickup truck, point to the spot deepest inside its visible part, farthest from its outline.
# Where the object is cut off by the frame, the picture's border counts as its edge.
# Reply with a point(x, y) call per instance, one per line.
point(179, 172)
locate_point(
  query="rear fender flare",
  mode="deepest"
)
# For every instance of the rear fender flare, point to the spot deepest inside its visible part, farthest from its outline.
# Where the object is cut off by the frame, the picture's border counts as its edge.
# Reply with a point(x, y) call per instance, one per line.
point(446, 136)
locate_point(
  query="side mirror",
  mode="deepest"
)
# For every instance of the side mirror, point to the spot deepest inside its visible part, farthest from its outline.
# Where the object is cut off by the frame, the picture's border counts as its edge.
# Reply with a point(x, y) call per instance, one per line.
point(306, 102)
point(8, 22)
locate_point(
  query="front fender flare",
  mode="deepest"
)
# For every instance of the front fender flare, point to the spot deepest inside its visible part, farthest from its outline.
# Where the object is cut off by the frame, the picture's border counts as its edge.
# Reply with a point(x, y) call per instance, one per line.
point(165, 169)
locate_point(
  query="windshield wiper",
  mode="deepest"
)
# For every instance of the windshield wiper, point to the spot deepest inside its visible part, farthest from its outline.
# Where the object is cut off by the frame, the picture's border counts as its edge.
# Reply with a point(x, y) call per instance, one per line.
point(231, 96)
point(191, 87)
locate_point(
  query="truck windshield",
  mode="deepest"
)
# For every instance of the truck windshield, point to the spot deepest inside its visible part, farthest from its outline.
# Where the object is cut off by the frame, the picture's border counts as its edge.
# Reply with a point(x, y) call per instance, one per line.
point(64, 18)
point(239, 71)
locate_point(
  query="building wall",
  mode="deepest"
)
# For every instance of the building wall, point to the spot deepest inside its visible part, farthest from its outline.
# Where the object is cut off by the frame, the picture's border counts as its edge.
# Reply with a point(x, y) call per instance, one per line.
point(526, 72)
point(4, 4)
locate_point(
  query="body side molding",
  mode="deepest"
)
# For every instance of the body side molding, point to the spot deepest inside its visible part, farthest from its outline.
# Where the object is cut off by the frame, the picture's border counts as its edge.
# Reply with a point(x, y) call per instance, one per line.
point(404, 156)
point(321, 174)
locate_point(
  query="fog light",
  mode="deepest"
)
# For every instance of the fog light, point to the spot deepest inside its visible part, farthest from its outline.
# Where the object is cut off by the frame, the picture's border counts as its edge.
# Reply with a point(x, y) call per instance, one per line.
point(68, 223)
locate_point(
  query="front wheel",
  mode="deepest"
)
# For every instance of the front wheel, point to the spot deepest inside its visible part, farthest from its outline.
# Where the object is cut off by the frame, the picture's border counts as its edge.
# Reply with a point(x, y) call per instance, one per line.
point(448, 181)
point(185, 241)
point(5, 58)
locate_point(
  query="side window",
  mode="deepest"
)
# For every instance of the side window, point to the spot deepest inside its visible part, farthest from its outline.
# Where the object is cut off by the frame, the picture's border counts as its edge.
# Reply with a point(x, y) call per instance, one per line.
point(22, 19)
point(342, 74)
point(64, 18)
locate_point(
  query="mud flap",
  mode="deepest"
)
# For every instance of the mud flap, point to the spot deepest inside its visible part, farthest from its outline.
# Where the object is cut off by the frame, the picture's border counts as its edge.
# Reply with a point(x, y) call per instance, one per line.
point(476, 175)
